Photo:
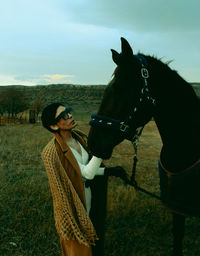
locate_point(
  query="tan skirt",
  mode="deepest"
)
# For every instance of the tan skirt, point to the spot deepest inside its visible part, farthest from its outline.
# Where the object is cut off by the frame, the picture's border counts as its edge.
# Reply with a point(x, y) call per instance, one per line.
point(73, 248)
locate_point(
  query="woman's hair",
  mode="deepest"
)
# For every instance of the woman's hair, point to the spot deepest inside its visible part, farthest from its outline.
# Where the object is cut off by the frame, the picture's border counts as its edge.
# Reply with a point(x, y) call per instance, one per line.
point(48, 116)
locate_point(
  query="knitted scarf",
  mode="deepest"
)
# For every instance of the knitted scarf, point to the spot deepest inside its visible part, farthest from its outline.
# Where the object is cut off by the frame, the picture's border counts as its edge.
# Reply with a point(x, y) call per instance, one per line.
point(71, 218)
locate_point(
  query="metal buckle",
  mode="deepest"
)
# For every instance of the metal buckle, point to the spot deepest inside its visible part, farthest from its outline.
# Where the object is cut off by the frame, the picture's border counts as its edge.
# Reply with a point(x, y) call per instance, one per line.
point(123, 127)
point(145, 73)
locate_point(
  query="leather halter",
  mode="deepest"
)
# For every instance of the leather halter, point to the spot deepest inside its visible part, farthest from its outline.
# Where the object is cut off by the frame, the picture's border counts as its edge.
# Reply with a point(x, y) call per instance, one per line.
point(125, 127)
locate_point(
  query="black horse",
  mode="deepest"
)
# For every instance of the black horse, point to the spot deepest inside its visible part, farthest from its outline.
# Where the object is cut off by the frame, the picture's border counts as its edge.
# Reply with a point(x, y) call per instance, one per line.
point(143, 87)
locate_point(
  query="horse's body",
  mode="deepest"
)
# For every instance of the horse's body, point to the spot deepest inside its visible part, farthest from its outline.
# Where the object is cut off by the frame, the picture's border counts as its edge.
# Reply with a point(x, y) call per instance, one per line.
point(175, 108)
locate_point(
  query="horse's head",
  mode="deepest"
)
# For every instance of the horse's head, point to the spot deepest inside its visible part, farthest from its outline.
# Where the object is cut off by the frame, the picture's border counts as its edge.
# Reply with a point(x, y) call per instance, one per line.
point(126, 104)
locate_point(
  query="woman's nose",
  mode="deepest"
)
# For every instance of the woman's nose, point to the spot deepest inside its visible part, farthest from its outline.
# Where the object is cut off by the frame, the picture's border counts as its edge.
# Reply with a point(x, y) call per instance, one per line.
point(69, 115)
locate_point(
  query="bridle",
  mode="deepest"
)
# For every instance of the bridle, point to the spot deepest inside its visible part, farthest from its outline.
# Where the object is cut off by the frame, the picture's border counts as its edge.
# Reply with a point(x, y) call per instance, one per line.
point(125, 127)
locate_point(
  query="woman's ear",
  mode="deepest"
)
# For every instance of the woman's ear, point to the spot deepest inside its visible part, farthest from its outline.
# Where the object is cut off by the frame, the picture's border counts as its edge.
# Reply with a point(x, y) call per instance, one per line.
point(54, 127)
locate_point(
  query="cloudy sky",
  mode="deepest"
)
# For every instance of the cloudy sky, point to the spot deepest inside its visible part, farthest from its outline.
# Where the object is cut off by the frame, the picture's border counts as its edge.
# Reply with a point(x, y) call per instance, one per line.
point(69, 41)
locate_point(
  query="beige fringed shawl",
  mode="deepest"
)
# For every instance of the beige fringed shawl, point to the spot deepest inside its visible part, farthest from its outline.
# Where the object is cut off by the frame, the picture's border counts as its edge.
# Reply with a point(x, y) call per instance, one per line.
point(71, 218)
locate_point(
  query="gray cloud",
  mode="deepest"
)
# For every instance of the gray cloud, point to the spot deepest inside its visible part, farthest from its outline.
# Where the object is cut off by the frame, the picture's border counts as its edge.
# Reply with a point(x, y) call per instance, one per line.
point(75, 37)
point(143, 15)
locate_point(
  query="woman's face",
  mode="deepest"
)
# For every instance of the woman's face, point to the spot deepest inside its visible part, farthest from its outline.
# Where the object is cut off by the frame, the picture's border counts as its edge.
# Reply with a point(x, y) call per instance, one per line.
point(63, 123)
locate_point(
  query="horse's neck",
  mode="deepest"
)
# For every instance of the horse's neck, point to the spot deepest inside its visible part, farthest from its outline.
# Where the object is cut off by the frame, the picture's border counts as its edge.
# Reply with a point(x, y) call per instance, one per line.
point(176, 116)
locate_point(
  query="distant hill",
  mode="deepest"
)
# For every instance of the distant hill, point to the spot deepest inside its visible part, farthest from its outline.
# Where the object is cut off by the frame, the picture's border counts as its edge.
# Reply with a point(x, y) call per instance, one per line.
point(83, 98)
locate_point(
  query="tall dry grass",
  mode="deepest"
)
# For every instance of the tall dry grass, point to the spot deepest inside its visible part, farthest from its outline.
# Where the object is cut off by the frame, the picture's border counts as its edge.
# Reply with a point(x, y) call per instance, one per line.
point(136, 224)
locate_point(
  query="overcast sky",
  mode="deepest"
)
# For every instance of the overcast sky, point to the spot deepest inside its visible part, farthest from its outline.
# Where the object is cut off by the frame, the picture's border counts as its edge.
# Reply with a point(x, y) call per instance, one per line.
point(69, 41)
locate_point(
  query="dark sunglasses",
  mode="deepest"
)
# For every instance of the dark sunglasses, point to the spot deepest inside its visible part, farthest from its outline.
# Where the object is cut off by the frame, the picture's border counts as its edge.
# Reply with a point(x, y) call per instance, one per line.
point(64, 114)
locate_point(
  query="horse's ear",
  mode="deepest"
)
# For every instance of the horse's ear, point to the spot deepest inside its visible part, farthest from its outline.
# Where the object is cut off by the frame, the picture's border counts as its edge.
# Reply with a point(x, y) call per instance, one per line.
point(115, 56)
point(126, 48)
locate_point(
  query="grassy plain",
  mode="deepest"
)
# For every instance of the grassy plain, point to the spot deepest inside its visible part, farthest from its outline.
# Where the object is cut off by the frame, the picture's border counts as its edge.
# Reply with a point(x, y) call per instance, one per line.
point(136, 225)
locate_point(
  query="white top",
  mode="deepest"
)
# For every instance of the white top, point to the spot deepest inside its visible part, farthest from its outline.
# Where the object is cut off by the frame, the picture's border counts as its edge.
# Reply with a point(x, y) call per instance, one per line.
point(89, 169)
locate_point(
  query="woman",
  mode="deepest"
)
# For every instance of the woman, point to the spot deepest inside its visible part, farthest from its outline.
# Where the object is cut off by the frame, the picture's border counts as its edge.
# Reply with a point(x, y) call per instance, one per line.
point(78, 184)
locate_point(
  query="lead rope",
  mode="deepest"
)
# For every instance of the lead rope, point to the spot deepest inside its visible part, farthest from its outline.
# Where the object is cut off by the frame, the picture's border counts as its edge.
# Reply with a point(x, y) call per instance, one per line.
point(133, 182)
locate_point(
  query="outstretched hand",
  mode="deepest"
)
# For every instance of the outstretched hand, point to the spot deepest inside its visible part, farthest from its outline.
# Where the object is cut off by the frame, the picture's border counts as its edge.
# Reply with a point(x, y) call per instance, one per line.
point(117, 171)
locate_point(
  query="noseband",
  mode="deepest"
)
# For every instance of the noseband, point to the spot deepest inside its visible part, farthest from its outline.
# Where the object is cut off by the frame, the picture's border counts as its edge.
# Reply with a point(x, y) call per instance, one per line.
point(125, 127)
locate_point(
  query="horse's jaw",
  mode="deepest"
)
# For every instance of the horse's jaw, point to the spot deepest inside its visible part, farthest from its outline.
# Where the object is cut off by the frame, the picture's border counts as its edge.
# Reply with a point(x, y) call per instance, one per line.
point(101, 142)
point(99, 149)
point(104, 154)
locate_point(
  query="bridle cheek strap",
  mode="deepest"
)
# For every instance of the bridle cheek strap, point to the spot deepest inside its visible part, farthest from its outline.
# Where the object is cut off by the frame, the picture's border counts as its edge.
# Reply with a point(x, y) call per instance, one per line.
point(125, 128)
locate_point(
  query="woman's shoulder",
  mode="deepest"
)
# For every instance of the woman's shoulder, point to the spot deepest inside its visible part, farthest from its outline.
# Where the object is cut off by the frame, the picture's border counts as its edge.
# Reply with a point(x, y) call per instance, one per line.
point(49, 150)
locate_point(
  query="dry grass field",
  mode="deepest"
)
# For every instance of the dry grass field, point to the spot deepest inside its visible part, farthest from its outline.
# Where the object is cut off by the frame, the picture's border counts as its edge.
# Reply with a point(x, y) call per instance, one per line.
point(136, 224)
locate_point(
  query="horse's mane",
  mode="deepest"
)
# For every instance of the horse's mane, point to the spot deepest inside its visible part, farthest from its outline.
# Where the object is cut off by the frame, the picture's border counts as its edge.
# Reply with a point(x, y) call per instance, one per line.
point(157, 62)
point(178, 87)
point(158, 65)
